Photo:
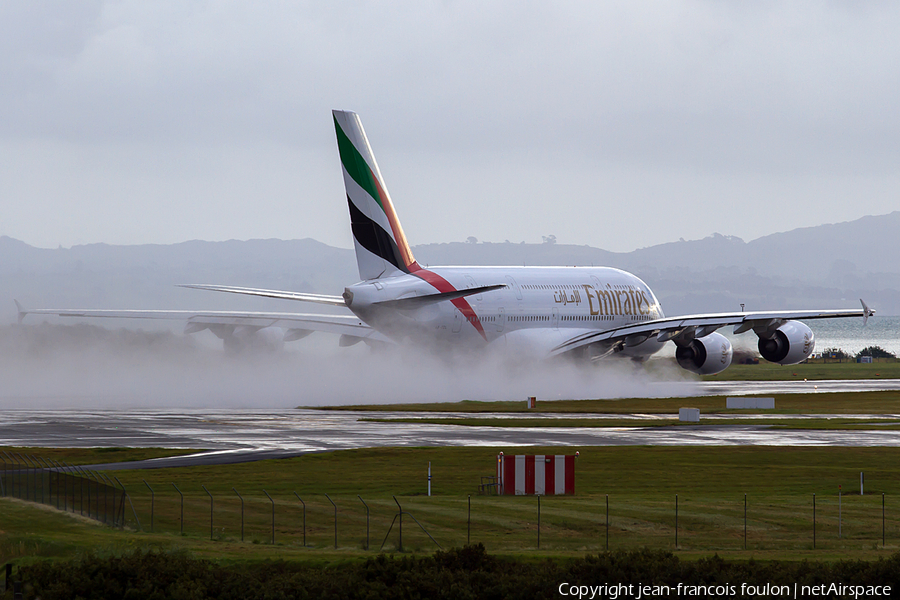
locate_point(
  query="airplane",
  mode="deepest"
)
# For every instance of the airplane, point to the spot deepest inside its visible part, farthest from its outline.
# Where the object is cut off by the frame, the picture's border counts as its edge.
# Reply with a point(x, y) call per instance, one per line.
point(585, 313)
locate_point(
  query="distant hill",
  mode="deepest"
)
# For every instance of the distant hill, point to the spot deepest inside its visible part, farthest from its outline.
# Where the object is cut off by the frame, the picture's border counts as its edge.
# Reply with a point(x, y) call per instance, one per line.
point(829, 266)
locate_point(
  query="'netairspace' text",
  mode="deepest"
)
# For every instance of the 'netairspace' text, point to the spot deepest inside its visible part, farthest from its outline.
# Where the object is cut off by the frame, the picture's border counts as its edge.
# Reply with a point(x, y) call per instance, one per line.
point(617, 591)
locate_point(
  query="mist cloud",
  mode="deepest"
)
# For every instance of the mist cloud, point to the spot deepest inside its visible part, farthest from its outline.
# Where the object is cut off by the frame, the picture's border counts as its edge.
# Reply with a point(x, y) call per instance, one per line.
point(88, 367)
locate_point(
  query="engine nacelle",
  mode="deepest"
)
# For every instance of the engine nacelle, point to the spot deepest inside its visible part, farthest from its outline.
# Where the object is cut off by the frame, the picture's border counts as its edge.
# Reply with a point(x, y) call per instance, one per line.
point(790, 344)
point(705, 356)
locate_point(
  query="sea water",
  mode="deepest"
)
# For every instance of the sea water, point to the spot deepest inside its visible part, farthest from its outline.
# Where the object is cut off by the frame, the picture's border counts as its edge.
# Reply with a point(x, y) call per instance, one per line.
point(851, 336)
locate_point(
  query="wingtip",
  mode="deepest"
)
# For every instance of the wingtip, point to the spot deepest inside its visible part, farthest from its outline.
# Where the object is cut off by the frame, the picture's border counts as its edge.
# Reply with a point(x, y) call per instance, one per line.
point(867, 312)
point(21, 311)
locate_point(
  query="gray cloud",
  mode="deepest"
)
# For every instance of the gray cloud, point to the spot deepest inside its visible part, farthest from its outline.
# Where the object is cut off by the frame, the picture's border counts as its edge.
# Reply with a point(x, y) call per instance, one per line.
point(133, 122)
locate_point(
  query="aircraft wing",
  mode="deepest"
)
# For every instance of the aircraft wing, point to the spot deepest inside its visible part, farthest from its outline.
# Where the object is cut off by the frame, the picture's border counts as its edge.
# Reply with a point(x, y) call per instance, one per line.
point(295, 323)
point(695, 326)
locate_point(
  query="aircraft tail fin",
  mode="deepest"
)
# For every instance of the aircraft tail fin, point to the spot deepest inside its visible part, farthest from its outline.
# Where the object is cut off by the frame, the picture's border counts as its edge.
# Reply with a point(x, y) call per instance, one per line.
point(381, 246)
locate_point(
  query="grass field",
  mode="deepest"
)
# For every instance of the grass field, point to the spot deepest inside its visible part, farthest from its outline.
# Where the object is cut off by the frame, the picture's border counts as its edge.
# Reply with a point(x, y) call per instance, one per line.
point(863, 423)
point(641, 484)
point(886, 402)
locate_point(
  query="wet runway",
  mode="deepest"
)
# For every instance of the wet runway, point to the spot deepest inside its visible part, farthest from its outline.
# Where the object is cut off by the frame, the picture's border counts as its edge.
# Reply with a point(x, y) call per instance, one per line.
point(240, 435)
point(748, 388)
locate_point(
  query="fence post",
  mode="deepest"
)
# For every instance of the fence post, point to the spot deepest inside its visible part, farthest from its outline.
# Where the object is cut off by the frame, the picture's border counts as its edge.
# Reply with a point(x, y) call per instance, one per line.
point(107, 488)
point(45, 466)
point(22, 462)
point(64, 490)
point(79, 473)
point(88, 473)
point(6, 464)
point(19, 461)
point(367, 519)
point(69, 470)
point(469, 523)
point(56, 464)
point(96, 495)
point(676, 521)
point(182, 506)
point(304, 518)
point(3, 479)
point(19, 469)
point(210, 511)
point(134, 512)
point(7, 461)
point(49, 479)
point(10, 479)
point(539, 522)
point(17, 485)
point(400, 508)
point(76, 473)
point(27, 474)
point(30, 467)
point(38, 472)
point(97, 484)
point(273, 515)
point(87, 476)
point(100, 482)
point(152, 503)
point(242, 512)
point(335, 519)
point(35, 467)
point(117, 501)
point(121, 502)
point(80, 491)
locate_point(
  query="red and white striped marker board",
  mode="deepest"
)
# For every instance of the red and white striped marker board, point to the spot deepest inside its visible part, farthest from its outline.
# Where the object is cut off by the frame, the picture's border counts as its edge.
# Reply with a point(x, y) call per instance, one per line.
point(536, 474)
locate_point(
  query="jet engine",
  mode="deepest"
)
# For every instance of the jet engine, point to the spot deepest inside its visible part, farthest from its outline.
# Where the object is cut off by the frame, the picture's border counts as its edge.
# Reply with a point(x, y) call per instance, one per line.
point(790, 344)
point(706, 356)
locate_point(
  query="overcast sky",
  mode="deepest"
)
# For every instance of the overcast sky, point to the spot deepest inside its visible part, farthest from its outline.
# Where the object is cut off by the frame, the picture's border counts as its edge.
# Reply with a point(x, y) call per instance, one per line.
point(614, 124)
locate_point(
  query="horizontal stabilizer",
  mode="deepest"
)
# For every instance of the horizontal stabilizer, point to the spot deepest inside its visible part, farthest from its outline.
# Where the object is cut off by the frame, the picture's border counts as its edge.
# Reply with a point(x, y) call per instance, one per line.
point(419, 301)
point(317, 298)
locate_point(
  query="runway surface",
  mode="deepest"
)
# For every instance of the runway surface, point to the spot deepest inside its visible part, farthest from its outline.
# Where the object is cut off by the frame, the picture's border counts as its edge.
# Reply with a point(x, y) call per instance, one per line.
point(746, 388)
point(241, 435)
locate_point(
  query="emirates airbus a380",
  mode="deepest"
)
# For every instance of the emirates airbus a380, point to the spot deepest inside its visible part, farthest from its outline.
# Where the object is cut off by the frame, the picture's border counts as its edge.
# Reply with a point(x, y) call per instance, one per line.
point(586, 313)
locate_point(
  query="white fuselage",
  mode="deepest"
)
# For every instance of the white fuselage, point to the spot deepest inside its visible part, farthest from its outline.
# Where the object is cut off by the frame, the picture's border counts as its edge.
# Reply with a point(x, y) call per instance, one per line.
point(539, 307)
